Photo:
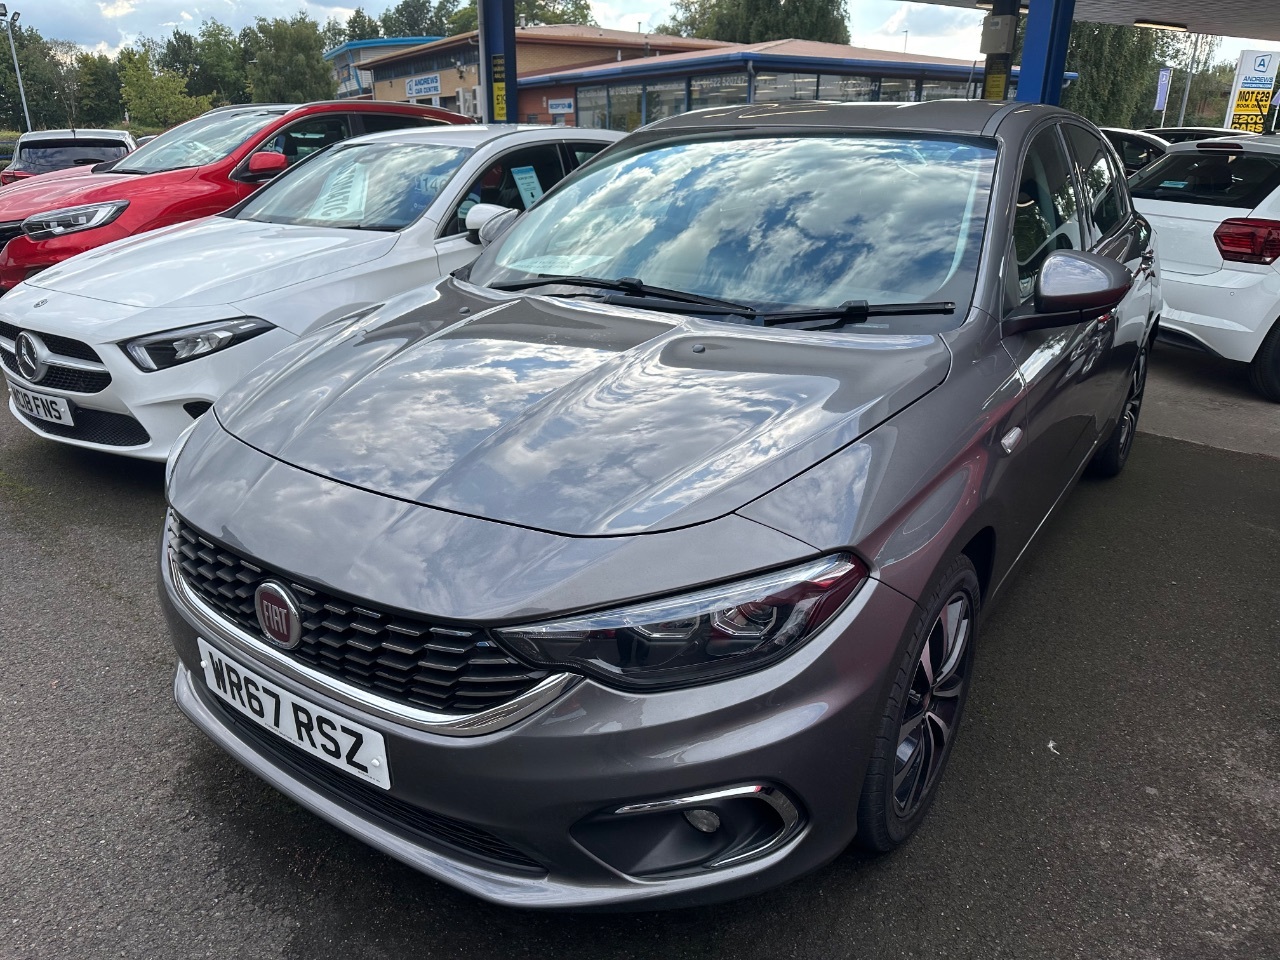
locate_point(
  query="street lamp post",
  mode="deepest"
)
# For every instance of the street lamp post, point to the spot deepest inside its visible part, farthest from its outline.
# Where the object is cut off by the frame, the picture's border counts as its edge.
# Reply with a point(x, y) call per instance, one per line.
point(9, 21)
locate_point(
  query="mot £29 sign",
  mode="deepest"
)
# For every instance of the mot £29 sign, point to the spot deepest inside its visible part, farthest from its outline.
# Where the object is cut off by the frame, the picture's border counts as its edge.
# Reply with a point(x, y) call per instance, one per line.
point(1251, 94)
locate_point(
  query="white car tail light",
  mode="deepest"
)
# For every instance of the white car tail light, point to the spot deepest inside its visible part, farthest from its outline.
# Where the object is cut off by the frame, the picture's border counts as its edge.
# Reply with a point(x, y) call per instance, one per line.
point(1248, 241)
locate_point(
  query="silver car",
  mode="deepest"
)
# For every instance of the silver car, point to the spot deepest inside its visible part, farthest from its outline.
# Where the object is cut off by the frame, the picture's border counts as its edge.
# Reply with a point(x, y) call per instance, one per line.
point(642, 563)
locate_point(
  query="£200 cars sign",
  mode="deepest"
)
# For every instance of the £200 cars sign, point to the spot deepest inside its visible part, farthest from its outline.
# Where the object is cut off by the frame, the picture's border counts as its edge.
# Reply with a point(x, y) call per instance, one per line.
point(1251, 94)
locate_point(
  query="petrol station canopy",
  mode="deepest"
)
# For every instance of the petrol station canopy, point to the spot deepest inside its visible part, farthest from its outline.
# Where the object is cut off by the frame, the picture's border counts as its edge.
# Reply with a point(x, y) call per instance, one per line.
point(1259, 19)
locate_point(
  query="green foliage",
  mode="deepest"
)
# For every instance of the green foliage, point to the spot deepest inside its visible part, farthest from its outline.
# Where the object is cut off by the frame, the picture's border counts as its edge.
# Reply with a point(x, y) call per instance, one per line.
point(418, 18)
point(155, 98)
point(287, 62)
point(1114, 63)
point(100, 101)
point(361, 26)
point(533, 12)
point(219, 69)
point(755, 21)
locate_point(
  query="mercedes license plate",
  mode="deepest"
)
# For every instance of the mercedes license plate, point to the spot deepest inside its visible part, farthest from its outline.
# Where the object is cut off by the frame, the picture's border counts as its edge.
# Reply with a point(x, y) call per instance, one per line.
point(340, 742)
point(41, 406)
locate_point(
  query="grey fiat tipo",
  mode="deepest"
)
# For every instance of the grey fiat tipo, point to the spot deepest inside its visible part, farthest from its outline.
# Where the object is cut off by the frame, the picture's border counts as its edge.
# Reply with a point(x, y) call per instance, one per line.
point(642, 563)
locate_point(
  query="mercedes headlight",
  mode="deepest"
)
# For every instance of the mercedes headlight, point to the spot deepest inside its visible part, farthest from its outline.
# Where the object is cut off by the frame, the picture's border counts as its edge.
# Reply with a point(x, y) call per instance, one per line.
point(55, 223)
point(696, 637)
point(161, 350)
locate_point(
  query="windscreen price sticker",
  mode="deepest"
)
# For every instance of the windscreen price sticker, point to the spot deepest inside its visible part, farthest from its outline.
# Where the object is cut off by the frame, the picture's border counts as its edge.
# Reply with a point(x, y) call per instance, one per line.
point(1250, 111)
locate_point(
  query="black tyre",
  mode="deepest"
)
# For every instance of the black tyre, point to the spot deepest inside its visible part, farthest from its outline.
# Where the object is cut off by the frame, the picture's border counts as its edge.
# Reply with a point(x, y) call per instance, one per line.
point(1114, 454)
point(923, 713)
point(1264, 372)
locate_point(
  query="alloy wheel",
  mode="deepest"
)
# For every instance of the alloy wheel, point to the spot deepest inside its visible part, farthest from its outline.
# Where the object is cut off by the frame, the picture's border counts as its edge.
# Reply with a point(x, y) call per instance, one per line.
point(1133, 405)
point(933, 703)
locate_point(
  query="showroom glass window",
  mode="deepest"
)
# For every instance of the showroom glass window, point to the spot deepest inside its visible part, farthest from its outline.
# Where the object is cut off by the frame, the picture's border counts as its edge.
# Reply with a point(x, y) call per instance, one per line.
point(897, 90)
point(775, 221)
point(625, 106)
point(1099, 178)
point(843, 89)
point(717, 91)
point(663, 98)
point(593, 108)
point(945, 90)
point(774, 87)
point(1046, 217)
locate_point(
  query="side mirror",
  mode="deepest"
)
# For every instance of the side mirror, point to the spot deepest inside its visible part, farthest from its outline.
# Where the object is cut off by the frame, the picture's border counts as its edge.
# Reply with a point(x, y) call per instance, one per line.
point(1073, 286)
point(487, 221)
point(266, 164)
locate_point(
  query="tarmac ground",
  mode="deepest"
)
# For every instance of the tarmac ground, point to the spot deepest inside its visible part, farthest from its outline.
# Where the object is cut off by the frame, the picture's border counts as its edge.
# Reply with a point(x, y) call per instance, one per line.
point(1115, 792)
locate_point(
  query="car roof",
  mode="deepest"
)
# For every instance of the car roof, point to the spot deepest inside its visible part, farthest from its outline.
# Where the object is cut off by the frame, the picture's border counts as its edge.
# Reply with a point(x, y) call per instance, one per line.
point(478, 134)
point(1243, 144)
point(75, 134)
point(1146, 135)
point(965, 117)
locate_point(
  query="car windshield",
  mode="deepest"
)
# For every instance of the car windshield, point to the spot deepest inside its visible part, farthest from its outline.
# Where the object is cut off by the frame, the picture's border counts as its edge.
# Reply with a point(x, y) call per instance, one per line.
point(776, 222)
point(362, 186)
point(41, 156)
point(206, 139)
point(1222, 178)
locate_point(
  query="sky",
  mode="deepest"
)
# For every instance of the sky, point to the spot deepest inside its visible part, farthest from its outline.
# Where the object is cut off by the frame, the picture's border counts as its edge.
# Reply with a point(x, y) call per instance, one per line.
point(880, 24)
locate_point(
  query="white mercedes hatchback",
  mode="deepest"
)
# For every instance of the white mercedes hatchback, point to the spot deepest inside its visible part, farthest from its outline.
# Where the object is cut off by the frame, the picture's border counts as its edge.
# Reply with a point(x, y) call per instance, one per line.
point(121, 348)
point(1215, 205)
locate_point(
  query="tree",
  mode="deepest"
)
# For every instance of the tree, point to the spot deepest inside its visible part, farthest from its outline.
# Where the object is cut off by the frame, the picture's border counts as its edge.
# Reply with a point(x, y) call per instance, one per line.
point(755, 21)
point(220, 65)
point(1113, 62)
point(100, 101)
point(529, 12)
point(361, 26)
point(66, 72)
point(155, 98)
point(418, 18)
point(287, 61)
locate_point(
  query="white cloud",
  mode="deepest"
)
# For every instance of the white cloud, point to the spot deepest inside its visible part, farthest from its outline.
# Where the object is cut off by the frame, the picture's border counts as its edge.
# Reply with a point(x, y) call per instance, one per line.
point(119, 8)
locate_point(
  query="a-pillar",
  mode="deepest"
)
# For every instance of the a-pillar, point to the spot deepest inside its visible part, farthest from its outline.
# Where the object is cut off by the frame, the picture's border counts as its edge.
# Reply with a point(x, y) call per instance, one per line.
point(1044, 51)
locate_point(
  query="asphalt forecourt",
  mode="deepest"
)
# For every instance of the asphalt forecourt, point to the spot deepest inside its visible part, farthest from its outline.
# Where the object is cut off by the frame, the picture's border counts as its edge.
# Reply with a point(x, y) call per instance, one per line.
point(1114, 793)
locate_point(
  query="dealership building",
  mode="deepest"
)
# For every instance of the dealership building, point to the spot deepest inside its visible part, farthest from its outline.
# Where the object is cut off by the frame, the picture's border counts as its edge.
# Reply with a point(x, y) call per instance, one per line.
point(594, 77)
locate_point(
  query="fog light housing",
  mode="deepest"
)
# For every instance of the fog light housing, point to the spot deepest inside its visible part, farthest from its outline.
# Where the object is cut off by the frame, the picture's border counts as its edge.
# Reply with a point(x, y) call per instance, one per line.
point(679, 836)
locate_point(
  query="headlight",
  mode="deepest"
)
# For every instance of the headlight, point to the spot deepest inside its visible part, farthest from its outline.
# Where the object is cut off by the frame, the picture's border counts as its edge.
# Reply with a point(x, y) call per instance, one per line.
point(698, 636)
point(55, 223)
point(161, 350)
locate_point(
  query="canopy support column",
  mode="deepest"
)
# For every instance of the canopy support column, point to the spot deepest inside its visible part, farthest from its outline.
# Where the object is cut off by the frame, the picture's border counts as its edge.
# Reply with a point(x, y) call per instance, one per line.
point(1044, 51)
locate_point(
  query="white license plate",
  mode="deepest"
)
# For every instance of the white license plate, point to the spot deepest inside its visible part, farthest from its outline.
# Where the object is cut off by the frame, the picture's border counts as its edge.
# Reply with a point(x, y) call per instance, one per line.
point(343, 743)
point(41, 406)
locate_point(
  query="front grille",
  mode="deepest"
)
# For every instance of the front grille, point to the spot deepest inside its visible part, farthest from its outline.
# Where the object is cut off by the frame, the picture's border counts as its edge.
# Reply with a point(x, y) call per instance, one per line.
point(404, 818)
point(63, 346)
point(63, 378)
point(449, 669)
point(96, 426)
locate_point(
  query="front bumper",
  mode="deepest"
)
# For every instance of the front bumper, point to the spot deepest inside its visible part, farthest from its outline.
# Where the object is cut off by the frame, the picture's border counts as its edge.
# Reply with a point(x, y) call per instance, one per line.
point(141, 414)
point(803, 727)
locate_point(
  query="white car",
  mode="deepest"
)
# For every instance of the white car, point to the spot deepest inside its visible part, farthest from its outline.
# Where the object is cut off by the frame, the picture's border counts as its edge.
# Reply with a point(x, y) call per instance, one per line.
point(1215, 205)
point(121, 348)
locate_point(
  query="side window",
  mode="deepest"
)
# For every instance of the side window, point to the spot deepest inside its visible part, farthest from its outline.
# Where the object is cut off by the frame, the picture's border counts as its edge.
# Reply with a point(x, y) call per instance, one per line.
point(580, 153)
point(1046, 218)
point(299, 141)
point(381, 122)
point(1101, 185)
point(516, 180)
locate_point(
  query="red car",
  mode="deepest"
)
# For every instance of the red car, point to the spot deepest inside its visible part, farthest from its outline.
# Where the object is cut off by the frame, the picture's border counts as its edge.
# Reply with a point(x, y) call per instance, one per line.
point(194, 170)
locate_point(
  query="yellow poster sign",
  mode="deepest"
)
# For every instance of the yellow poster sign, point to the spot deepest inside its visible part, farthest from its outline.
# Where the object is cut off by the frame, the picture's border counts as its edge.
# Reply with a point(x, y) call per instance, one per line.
point(1249, 112)
point(499, 67)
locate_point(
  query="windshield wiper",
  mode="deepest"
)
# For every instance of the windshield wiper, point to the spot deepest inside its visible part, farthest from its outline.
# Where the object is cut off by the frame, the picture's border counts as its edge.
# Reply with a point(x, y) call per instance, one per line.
point(851, 311)
point(631, 286)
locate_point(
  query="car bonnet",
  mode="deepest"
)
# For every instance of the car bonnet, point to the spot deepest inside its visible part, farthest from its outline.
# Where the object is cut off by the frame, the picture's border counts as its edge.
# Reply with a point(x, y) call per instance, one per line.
point(571, 416)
